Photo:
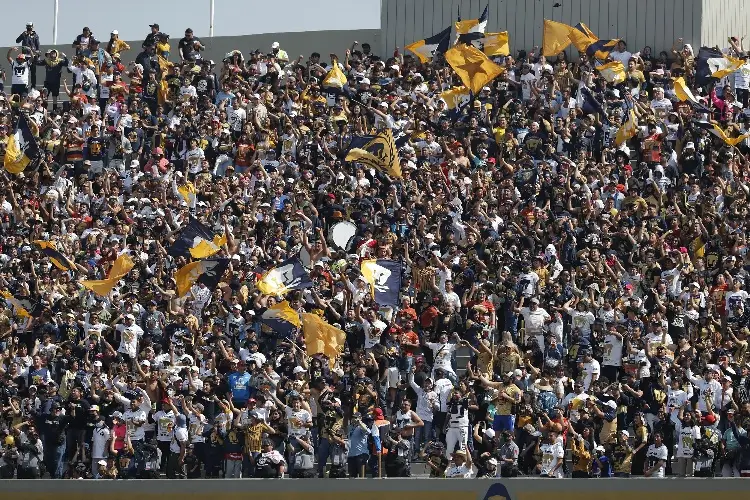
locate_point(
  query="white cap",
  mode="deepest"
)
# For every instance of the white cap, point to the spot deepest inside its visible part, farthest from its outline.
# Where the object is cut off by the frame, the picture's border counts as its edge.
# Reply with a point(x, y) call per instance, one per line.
point(238, 307)
point(611, 403)
point(97, 363)
point(365, 80)
point(689, 145)
point(275, 45)
point(429, 236)
point(103, 463)
point(492, 461)
point(298, 369)
point(489, 432)
point(115, 32)
point(145, 362)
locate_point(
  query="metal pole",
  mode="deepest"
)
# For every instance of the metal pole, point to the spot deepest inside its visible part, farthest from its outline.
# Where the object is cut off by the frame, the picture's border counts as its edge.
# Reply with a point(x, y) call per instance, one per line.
point(211, 26)
point(54, 24)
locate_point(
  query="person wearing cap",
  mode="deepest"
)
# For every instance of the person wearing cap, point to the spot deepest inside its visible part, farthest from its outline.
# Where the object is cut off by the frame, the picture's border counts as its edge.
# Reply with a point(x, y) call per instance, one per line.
point(190, 47)
point(20, 66)
point(178, 448)
point(460, 466)
point(29, 40)
point(278, 52)
point(100, 439)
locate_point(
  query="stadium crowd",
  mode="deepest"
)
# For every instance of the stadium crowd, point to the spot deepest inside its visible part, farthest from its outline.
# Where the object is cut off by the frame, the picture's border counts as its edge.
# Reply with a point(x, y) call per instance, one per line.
point(567, 306)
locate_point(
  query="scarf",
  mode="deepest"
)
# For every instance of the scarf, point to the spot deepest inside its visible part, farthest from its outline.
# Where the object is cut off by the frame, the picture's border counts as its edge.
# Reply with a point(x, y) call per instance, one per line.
point(52, 62)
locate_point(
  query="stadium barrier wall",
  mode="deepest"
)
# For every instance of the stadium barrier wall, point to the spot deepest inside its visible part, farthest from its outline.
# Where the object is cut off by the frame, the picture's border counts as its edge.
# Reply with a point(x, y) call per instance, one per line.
point(371, 489)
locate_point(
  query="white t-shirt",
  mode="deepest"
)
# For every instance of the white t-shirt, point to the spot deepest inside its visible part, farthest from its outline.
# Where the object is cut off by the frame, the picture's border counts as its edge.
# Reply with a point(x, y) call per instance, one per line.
point(195, 428)
point(552, 454)
point(612, 351)
point(180, 435)
point(236, 118)
point(99, 439)
point(194, 159)
point(535, 320)
point(734, 298)
point(527, 283)
point(442, 355)
point(527, 81)
point(582, 320)
point(688, 437)
point(164, 425)
point(296, 419)
point(20, 73)
point(129, 339)
point(136, 433)
point(654, 455)
point(462, 471)
point(589, 370)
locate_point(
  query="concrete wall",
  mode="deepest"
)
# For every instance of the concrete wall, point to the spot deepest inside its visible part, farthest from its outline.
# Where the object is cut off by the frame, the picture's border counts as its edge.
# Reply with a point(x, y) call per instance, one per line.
point(639, 22)
point(722, 19)
point(397, 489)
point(295, 43)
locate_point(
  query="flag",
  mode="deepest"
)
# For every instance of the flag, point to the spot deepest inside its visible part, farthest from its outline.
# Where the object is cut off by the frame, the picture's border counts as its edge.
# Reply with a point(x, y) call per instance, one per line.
point(44, 244)
point(188, 193)
point(120, 268)
point(380, 153)
point(281, 318)
point(721, 134)
point(600, 49)
point(628, 129)
point(208, 271)
point(591, 105)
point(613, 72)
point(723, 66)
point(456, 97)
point(427, 48)
point(206, 248)
point(384, 277)
point(683, 92)
point(190, 237)
point(555, 37)
point(18, 308)
point(289, 275)
point(581, 36)
point(59, 260)
point(21, 148)
point(471, 29)
point(472, 66)
point(702, 68)
point(495, 44)
point(322, 338)
point(335, 77)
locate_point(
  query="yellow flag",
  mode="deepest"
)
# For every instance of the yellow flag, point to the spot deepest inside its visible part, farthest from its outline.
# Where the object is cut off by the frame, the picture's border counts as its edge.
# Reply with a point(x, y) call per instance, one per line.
point(723, 66)
point(45, 244)
point(20, 311)
point(732, 141)
point(582, 37)
point(120, 268)
point(456, 97)
point(207, 248)
point(379, 153)
point(496, 44)
point(322, 338)
point(186, 276)
point(613, 72)
point(335, 77)
point(188, 193)
point(472, 66)
point(683, 92)
point(555, 37)
point(628, 129)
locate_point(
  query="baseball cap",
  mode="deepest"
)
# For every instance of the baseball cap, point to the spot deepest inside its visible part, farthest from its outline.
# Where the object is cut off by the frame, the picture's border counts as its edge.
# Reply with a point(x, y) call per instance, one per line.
point(115, 32)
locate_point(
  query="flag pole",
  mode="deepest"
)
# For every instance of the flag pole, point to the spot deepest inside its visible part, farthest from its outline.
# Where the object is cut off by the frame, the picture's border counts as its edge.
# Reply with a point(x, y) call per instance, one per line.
point(211, 22)
point(54, 23)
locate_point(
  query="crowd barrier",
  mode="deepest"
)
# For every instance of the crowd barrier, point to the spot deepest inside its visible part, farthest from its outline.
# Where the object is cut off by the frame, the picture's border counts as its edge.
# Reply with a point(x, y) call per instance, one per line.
point(370, 489)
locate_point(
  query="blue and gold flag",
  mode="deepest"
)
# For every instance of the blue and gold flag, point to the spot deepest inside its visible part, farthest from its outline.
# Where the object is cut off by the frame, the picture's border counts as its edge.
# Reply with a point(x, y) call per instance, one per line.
point(21, 148)
point(384, 277)
point(281, 318)
point(288, 276)
point(427, 48)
